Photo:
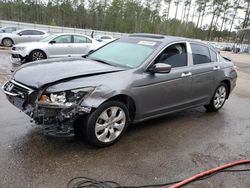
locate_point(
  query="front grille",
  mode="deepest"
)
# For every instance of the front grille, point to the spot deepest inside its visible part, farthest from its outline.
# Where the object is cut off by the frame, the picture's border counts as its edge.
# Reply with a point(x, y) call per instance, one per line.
point(15, 55)
point(14, 88)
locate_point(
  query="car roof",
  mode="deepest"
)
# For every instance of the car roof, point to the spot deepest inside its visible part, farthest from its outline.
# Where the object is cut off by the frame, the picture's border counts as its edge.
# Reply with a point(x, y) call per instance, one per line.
point(164, 38)
point(59, 34)
point(30, 29)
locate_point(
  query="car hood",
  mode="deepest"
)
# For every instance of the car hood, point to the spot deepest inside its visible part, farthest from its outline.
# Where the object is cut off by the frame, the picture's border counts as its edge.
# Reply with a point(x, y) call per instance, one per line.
point(47, 72)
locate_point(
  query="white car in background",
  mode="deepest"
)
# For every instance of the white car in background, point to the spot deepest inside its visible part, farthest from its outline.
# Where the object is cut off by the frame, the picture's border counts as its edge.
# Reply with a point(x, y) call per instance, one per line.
point(104, 38)
point(55, 46)
point(7, 29)
point(20, 36)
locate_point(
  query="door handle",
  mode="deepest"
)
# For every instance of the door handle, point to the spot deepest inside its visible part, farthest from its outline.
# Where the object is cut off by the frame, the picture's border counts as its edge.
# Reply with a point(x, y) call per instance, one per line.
point(216, 68)
point(186, 74)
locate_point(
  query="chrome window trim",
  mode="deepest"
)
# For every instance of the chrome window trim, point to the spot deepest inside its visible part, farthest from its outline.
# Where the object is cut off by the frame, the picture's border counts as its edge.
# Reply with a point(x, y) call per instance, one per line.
point(205, 45)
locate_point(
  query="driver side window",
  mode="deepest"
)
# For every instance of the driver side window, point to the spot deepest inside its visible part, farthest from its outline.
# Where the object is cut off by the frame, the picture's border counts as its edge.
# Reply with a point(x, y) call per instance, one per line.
point(174, 55)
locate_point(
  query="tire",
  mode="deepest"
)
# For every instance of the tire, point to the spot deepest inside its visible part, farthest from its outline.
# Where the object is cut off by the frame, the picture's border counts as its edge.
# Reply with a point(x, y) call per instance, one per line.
point(7, 42)
point(111, 126)
point(219, 98)
point(37, 55)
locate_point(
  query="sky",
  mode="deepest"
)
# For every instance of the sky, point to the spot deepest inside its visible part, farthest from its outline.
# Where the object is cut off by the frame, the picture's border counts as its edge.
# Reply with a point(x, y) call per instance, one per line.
point(207, 19)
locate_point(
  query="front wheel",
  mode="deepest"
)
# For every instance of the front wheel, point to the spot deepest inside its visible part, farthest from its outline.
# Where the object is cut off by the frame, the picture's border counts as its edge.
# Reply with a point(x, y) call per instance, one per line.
point(104, 126)
point(219, 98)
point(37, 55)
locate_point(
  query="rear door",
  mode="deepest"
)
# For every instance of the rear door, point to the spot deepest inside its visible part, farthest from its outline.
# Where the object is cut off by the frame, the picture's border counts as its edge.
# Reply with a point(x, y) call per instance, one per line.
point(81, 45)
point(203, 69)
point(61, 46)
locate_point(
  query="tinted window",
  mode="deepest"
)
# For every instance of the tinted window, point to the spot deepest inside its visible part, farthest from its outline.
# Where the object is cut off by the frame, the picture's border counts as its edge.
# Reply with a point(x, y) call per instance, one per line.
point(200, 54)
point(26, 32)
point(213, 56)
point(34, 32)
point(63, 39)
point(81, 39)
point(174, 55)
point(105, 37)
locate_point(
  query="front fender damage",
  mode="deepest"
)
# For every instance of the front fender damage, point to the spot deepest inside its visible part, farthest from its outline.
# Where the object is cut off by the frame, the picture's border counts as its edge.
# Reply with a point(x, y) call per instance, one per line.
point(59, 122)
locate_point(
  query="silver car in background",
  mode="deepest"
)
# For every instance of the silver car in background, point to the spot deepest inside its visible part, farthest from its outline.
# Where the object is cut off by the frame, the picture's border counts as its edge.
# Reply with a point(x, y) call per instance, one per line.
point(104, 38)
point(55, 46)
point(20, 36)
point(7, 29)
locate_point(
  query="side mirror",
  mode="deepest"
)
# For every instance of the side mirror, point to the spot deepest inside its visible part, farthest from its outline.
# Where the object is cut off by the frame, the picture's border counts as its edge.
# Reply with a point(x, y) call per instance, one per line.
point(20, 34)
point(52, 42)
point(160, 68)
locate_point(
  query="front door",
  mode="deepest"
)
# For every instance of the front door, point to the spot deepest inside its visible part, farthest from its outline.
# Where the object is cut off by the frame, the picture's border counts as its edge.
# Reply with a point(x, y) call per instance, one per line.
point(168, 92)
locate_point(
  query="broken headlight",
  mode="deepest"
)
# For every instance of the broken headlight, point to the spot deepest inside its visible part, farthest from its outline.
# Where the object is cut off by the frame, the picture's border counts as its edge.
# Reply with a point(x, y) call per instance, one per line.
point(64, 98)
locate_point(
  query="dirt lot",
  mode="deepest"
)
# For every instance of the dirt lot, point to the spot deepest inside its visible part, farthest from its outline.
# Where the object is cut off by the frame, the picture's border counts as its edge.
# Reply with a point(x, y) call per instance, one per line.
point(161, 150)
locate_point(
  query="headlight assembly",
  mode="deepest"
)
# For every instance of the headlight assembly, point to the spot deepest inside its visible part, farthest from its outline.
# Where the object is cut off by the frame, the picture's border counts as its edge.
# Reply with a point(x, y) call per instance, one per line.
point(65, 98)
point(19, 48)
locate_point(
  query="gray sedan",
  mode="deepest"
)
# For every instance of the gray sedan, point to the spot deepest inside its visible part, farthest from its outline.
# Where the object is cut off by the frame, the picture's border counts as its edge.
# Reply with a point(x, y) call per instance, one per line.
point(130, 80)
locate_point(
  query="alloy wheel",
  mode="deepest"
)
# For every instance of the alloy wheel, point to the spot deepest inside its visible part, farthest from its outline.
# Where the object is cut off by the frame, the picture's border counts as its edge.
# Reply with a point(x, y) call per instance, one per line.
point(220, 96)
point(110, 124)
point(7, 42)
point(37, 56)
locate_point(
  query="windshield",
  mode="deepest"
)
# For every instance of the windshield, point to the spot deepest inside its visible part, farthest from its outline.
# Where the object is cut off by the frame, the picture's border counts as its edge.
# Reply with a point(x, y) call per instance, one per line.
point(125, 52)
point(49, 38)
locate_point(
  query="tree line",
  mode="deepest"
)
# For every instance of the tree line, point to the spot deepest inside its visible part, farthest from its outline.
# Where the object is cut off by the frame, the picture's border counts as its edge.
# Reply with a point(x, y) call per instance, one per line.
point(129, 16)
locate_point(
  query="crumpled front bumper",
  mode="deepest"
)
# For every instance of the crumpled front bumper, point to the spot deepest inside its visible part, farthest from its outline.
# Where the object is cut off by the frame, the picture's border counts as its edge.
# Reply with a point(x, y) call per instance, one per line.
point(57, 122)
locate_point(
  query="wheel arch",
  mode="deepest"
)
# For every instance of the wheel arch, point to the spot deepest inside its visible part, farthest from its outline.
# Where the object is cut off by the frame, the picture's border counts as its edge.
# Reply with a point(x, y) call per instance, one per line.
point(38, 49)
point(128, 101)
point(7, 38)
point(228, 84)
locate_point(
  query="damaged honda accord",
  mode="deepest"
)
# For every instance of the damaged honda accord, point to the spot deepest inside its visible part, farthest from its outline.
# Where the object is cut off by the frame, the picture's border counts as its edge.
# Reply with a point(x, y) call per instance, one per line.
point(130, 80)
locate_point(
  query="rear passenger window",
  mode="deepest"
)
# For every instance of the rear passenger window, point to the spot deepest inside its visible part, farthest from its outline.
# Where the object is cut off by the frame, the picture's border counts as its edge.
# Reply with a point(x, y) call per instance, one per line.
point(213, 56)
point(200, 54)
point(174, 55)
point(81, 39)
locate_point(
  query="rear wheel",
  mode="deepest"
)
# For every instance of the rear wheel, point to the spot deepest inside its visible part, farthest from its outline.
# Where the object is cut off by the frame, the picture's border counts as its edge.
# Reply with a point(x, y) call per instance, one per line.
point(104, 126)
point(37, 55)
point(7, 42)
point(219, 98)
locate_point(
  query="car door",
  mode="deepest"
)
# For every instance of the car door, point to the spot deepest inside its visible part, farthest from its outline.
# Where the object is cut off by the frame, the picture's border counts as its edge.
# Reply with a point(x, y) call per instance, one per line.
point(81, 45)
point(163, 93)
point(61, 46)
point(36, 35)
point(202, 73)
point(23, 36)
